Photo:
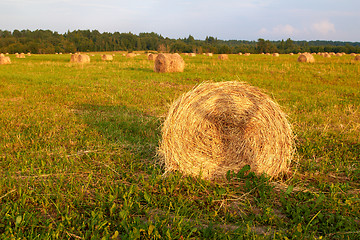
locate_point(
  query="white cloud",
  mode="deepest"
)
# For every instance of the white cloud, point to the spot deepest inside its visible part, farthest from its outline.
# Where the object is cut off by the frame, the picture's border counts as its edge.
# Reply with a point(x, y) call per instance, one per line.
point(324, 27)
point(279, 31)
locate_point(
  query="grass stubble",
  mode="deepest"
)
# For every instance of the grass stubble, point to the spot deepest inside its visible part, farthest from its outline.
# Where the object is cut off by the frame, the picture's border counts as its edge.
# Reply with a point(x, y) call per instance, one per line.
point(78, 151)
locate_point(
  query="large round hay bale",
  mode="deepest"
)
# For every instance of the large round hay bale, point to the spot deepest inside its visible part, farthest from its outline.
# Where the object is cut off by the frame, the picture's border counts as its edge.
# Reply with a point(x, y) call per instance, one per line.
point(306, 57)
point(5, 60)
point(152, 56)
point(192, 54)
point(357, 58)
point(209, 54)
point(276, 54)
point(167, 62)
point(224, 126)
point(107, 57)
point(247, 54)
point(223, 57)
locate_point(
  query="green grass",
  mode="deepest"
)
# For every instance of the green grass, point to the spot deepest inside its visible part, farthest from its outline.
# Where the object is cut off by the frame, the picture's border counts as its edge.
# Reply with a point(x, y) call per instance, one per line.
point(78, 152)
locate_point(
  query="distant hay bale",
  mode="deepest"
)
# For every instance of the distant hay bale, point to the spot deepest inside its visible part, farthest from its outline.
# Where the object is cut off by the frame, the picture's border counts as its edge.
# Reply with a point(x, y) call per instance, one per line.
point(217, 127)
point(223, 57)
point(80, 58)
point(276, 55)
point(107, 57)
point(29, 54)
point(152, 56)
point(326, 55)
point(83, 58)
point(192, 54)
point(131, 55)
point(357, 58)
point(247, 54)
point(240, 53)
point(338, 54)
point(267, 54)
point(306, 57)
point(353, 54)
point(291, 54)
point(2, 55)
point(5, 60)
point(167, 62)
point(209, 54)
point(21, 55)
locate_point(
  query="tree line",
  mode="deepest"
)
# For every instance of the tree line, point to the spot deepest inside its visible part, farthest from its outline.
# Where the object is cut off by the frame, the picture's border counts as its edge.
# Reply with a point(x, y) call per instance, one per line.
point(47, 42)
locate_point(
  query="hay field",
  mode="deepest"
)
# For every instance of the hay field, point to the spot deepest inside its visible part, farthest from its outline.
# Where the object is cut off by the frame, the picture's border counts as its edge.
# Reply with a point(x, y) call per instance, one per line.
point(78, 150)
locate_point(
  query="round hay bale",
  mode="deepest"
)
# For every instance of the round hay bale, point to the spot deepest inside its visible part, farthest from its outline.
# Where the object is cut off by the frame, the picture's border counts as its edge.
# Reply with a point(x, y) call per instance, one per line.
point(131, 55)
point(5, 60)
point(152, 56)
point(223, 57)
point(247, 54)
point(107, 57)
point(306, 57)
point(276, 55)
point(74, 57)
point(2, 55)
point(353, 54)
point(167, 62)
point(240, 53)
point(338, 54)
point(327, 55)
point(80, 58)
point(217, 127)
point(209, 54)
point(83, 58)
point(357, 58)
point(291, 54)
point(192, 54)
point(21, 55)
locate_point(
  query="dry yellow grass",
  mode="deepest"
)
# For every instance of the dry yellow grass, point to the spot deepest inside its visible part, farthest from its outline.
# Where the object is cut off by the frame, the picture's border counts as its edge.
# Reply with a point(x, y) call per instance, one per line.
point(224, 126)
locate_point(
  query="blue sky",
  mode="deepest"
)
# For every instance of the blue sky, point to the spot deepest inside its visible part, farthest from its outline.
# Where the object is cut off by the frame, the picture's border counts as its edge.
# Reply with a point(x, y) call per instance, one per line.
point(225, 19)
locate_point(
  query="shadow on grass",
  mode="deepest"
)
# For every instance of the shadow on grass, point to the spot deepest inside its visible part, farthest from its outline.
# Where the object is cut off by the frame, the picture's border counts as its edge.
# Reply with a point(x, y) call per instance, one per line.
point(138, 69)
point(130, 128)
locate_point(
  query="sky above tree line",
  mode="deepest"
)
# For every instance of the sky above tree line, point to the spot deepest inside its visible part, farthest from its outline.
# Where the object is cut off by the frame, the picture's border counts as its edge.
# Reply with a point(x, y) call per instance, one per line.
point(227, 19)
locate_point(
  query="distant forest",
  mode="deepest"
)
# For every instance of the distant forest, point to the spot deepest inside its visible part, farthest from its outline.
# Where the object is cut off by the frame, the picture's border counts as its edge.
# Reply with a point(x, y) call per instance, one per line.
point(47, 41)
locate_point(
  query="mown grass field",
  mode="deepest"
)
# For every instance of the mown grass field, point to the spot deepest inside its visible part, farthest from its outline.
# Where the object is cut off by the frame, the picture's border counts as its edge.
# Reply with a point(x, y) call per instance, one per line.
point(78, 152)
